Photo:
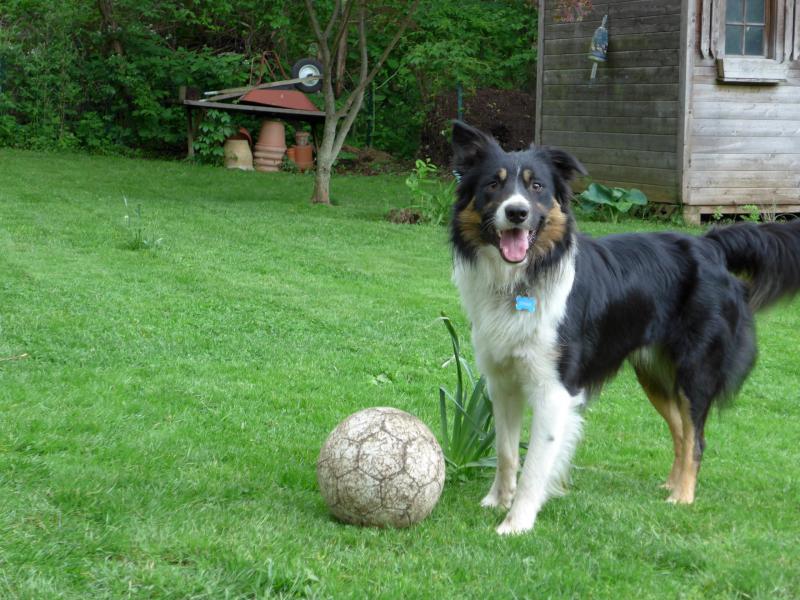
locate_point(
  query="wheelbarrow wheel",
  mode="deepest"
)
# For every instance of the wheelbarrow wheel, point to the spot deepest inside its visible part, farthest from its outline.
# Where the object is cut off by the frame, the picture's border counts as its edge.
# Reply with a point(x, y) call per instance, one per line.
point(307, 67)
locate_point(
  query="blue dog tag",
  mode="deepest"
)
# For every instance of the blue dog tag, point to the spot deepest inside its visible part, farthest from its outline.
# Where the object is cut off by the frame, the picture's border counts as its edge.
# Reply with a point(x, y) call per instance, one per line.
point(525, 303)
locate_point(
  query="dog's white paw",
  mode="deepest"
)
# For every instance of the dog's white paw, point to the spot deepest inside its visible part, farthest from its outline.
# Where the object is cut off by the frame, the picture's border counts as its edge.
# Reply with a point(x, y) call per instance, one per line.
point(495, 499)
point(515, 525)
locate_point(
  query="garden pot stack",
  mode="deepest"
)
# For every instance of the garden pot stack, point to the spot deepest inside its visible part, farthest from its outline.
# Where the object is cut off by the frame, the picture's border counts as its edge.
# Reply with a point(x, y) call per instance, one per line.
point(271, 146)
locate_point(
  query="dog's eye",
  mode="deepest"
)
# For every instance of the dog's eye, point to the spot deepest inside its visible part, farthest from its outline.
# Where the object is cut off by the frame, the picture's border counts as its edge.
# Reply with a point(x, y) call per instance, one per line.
point(536, 187)
point(492, 185)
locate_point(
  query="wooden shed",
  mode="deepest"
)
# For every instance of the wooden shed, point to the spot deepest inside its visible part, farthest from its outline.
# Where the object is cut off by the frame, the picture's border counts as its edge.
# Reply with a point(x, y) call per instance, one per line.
point(698, 104)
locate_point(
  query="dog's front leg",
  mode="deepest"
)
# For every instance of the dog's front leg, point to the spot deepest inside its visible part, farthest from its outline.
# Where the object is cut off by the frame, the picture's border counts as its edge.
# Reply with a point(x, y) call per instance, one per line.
point(507, 407)
point(554, 434)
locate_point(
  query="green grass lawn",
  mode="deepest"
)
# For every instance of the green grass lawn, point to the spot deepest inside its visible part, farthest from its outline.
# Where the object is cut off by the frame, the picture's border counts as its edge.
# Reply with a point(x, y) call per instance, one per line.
point(161, 410)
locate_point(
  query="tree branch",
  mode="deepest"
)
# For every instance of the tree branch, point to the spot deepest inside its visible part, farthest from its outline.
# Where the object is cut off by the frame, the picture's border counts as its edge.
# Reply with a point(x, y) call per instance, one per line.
point(334, 15)
point(366, 78)
point(312, 16)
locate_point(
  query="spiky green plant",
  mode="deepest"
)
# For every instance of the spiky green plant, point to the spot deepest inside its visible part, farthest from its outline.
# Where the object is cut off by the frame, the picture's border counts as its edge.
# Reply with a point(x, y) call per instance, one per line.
point(467, 438)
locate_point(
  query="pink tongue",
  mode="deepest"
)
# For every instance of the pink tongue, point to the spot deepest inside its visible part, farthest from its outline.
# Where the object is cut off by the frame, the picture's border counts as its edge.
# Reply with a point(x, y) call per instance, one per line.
point(514, 244)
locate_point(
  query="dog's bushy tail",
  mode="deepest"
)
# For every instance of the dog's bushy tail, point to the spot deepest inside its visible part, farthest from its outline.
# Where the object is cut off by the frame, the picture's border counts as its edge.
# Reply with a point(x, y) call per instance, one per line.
point(766, 256)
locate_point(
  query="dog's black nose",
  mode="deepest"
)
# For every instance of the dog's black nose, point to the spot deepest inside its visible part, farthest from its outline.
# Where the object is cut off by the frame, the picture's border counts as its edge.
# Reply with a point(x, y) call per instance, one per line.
point(516, 213)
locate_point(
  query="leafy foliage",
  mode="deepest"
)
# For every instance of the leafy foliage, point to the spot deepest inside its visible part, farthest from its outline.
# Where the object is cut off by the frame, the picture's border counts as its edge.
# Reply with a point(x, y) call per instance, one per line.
point(467, 441)
point(432, 195)
point(74, 77)
point(598, 200)
point(216, 127)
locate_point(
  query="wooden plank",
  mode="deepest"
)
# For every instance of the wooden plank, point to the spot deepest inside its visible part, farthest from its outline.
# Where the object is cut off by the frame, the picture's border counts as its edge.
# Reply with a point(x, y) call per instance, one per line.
point(657, 143)
point(738, 209)
point(705, 29)
point(619, 60)
point(630, 158)
point(746, 162)
point(730, 196)
point(602, 108)
point(656, 125)
point(643, 176)
point(744, 110)
point(301, 115)
point(788, 32)
point(613, 91)
point(747, 93)
point(685, 86)
point(742, 127)
point(630, 10)
point(745, 145)
point(746, 179)
point(707, 73)
point(540, 56)
point(796, 51)
point(585, 29)
point(612, 74)
point(717, 42)
point(616, 43)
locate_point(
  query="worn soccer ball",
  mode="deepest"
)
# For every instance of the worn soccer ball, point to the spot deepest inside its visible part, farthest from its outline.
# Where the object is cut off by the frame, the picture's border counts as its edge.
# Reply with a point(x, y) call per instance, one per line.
point(381, 467)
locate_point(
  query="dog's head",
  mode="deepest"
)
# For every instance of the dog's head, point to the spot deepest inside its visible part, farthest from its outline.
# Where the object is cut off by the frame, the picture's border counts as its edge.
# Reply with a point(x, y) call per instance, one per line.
point(516, 202)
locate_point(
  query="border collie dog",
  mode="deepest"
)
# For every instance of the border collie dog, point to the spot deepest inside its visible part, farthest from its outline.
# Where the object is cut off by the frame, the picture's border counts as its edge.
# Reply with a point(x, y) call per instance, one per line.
point(554, 314)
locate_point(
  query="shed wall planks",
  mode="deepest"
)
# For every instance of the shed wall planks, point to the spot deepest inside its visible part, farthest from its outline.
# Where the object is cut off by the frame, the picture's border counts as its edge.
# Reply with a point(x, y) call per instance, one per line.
point(658, 118)
point(623, 126)
point(745, 141)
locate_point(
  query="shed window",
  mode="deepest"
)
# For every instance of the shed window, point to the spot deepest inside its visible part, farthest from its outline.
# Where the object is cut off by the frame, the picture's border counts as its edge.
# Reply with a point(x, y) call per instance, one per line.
point(746, 28)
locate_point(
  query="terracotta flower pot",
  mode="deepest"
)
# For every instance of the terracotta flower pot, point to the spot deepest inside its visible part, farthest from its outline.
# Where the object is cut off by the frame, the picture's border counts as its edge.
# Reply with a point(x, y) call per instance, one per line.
point(301, 138)
point(304, 157)
point(273, 134)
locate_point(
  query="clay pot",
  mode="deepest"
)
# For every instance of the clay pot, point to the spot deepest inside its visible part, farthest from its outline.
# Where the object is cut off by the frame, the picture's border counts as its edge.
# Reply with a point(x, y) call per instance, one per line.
point(304, 157)
point(271, 146)
point(237, 154)
point(273, 134)
point(301, 138)
point(291, 153)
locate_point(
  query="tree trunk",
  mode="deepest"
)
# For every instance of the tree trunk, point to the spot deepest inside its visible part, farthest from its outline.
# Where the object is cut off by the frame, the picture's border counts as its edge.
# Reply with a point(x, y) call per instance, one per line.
point(322, 184)
point(339, 121)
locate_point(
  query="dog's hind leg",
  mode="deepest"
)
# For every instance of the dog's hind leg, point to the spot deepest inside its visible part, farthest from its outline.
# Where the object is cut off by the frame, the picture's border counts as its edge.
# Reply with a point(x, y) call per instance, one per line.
point(507, 408)
point(693, 418)
point(669, 409)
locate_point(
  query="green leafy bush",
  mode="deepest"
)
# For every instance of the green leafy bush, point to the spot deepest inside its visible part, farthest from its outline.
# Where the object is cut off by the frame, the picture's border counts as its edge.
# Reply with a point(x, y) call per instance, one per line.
point(432, 196)
point(467, 438)
point(600, 201)
point(217, 126)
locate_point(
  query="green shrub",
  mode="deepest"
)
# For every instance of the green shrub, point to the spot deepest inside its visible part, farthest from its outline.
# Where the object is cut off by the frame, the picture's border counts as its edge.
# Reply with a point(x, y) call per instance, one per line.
point(600, 201)
point(216, 127)
point(431, 195)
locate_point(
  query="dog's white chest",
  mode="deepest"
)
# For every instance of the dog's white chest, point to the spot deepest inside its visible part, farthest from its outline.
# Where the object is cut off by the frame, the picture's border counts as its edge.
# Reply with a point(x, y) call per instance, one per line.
point(504, 337)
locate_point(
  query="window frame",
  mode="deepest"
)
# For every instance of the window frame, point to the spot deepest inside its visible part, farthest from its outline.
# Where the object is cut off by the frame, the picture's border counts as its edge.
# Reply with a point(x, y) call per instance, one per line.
point(768, 24)
point(770, 68)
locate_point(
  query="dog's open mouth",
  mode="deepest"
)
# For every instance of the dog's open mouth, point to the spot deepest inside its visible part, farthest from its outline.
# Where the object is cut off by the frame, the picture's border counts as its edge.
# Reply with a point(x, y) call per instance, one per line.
point(514, 244)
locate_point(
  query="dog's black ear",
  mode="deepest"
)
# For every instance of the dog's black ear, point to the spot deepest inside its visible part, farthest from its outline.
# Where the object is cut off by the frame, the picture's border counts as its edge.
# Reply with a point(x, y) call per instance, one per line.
point(566, 164)
point(470, 146)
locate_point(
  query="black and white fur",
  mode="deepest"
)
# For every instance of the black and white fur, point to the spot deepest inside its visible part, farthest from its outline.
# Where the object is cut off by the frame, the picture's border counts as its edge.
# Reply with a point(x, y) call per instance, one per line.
point(668, 302)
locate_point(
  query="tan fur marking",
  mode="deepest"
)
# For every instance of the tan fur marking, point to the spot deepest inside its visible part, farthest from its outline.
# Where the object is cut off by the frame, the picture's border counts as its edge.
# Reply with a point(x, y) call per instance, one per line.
point(554, 230)
point(527, 175)
point(469, 224)
point(668, 409)
point(683, 492)
point(502, 174)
